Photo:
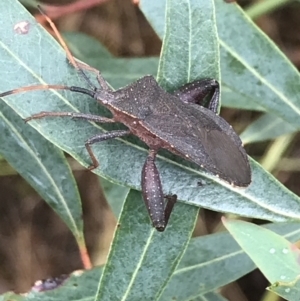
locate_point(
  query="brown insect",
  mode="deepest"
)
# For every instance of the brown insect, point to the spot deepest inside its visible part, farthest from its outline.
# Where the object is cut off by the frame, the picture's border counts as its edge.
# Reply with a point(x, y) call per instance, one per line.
point(176, 121)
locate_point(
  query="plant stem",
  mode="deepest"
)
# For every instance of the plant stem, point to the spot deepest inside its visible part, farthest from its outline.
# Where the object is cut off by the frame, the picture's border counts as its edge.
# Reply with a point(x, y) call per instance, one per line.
point(85, 258)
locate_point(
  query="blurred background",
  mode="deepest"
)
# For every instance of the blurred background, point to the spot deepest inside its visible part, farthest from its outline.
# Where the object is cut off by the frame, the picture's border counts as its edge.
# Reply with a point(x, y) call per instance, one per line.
point(35, 243)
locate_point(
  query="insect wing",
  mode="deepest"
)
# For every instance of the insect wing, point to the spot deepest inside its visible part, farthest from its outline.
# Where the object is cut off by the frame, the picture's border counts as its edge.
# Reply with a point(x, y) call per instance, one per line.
point(203, 137)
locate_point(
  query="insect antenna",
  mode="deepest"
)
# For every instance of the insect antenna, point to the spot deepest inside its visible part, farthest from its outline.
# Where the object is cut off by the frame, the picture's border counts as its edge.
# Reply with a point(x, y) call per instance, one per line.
point(67, 50)
point(44, 87)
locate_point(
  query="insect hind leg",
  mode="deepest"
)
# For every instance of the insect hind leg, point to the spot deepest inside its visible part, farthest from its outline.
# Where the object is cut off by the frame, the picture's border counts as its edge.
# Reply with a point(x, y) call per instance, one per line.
point(199, 91)
point(153, 194)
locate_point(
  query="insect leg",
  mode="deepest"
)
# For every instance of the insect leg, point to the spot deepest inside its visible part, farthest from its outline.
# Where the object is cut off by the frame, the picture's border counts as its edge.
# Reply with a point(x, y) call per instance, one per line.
point(171, 200)
point(196, 92)
point(99, 138)
point(153, 194)
point(89, 117)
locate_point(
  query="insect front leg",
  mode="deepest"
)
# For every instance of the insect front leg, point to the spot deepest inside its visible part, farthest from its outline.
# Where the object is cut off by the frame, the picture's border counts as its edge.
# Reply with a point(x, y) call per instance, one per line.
point(99, 138)
point(153, 194)
point(196, 92)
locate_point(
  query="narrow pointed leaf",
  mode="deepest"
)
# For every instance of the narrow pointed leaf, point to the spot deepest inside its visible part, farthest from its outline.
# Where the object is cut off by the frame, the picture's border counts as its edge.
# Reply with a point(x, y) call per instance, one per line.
point(197, 23)
point(272, 83)
point(141, 259)
point(290, 291)
point(255, 66)
point(276, 257)
point(120, 160)
point(197, 261)
point(43, 166)
point(206, 267)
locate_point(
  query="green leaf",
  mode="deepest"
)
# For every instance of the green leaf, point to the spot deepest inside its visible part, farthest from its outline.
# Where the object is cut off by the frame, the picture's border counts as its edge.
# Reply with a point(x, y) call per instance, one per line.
point(189, 24)
point(114, 194)
point(287, 290)
point(225, 264)
point(206, 267)
point(276, 257)
point(271, 83)
point(267, 126)
point(142, 272)
point(120, 160)
point(255, 66)
point(234, 99)
point(43, 166)
point(118, 72)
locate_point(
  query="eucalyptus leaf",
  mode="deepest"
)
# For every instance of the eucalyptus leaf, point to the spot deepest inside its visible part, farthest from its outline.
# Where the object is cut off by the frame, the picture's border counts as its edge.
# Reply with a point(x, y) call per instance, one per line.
point(197, 22)
point(255, 66)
